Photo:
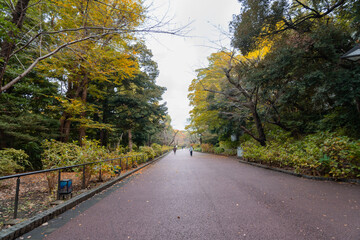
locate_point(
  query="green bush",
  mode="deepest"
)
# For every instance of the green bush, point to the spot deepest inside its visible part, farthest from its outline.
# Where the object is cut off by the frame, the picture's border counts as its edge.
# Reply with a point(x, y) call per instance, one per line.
point(230, 152)
point(166, 148)
point(219, 150)
point(12, 161)
point(58, 154)
point(322, 154)
point(228, 144)
point(157, 148)
point(150, 153)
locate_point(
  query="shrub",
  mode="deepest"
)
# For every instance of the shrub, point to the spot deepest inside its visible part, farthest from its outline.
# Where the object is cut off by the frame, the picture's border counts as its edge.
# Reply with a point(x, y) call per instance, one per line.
point(59, 154)
point(208, 148)
point(228, 144)
point(133, 159)
point(150, 153)
point(157, 148)
point(91, 151)
point(230, 152)
point(322, 154)
point(166, 148)
point(218, 150)
point(196, 146)
point(12, 161)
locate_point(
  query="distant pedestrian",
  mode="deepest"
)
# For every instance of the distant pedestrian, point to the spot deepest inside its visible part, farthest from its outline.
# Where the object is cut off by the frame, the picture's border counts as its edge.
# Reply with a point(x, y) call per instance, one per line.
point(174, 149)
point(191, 150)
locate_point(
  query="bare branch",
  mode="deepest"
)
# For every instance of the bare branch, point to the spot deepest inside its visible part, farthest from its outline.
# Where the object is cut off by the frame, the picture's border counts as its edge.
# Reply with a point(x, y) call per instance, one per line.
point(307, 7)
point(34, 4)
point(20, 62)
point(117, 30)
point(173, 139)
point(249, 133)
point(10, 4)
point(18, 78)
point(289, 24)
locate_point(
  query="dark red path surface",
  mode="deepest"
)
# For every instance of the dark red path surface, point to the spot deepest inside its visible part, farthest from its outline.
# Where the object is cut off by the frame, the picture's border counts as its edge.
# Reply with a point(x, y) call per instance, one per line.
point(213, 197)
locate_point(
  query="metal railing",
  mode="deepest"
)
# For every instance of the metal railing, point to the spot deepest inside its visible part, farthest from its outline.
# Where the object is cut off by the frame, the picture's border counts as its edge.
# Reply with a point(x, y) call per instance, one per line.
point(59, 169)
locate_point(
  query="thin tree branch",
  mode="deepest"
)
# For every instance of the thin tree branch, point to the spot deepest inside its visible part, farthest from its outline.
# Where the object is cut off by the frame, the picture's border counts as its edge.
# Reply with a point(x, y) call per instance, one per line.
point(307, 7)
point(250, 133)
point(18, 78)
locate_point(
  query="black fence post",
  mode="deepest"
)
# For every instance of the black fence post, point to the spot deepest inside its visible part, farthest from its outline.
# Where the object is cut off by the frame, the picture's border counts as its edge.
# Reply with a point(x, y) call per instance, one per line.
point(127, 162)
point(58, 191)
point(83, 178)
point(16, 197)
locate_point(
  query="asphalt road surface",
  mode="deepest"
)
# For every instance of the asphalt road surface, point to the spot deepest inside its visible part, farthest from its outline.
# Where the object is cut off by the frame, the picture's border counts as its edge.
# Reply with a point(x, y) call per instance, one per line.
point(212, 197)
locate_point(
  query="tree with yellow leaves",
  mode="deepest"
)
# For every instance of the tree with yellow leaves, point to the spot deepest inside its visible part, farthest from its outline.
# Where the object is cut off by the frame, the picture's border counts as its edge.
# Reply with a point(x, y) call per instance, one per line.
point(43, 28)
point(233, 96)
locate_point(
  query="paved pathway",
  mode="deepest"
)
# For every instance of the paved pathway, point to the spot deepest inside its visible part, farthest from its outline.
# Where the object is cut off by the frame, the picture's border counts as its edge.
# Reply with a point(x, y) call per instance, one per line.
point(212, 197)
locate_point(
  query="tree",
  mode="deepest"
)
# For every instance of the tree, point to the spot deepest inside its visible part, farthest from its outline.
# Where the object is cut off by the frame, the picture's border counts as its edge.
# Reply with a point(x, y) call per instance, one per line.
point(238, 98)
point(91, 20)
point(261, 19)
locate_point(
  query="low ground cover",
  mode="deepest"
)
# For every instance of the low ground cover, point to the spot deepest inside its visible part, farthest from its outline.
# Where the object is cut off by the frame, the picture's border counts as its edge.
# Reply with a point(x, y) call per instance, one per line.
point(322, 154)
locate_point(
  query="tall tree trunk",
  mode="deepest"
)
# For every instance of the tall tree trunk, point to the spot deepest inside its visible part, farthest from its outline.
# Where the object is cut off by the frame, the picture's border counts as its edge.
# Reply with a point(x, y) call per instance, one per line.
point(67, 130)
point(82, 130)
point(119, 141)
point(2, 140)
point(259, 127)
point(357, 99)
point(7, 47)
point(130, 140)
point(104, 132)
point(65, 124)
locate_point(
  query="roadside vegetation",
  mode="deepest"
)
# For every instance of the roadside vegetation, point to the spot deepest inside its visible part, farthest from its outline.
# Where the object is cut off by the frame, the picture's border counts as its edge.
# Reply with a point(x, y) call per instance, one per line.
point(78, 83)
point(283, 93)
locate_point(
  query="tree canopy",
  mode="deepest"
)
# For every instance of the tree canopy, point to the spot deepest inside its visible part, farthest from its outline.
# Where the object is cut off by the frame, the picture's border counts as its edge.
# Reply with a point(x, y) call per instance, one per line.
point(285, 72)
point(75, 69)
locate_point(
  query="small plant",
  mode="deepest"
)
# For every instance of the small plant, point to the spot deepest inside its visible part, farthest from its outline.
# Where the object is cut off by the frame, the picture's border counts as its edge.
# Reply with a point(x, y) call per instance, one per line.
point(219, 150)
point(150, 153)
point(12, 161)
point(157, 148)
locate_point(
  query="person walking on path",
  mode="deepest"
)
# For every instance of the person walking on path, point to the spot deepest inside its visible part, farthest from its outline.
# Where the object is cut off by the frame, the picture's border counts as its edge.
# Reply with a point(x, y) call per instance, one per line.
point(174, 149)
point(191, 150)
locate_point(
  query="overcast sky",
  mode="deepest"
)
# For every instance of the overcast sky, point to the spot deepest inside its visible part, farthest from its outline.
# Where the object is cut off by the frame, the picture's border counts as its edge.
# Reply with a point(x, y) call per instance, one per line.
point(179, 57)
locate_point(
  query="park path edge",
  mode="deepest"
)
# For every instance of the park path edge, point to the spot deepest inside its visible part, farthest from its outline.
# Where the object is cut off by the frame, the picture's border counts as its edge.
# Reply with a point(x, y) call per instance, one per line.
point(21, 228)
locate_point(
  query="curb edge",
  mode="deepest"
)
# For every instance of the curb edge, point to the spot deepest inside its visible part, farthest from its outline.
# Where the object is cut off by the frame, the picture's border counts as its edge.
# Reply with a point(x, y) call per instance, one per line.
point(299, 174)
point(35, 221)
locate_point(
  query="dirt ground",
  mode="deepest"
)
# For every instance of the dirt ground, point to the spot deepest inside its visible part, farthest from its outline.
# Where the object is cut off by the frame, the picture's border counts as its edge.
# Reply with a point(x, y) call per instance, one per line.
point(35, 197)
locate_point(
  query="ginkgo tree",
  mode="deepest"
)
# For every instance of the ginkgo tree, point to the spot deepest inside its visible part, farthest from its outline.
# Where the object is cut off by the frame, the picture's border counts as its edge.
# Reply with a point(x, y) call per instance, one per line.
point(203, 119)
point(71, 69)
point(286, 72)
point(233, 96)
point(46, 27)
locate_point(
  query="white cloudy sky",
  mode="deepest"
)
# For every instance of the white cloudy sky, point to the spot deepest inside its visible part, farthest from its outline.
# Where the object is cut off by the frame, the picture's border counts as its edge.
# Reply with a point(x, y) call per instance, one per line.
point(178, 57)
